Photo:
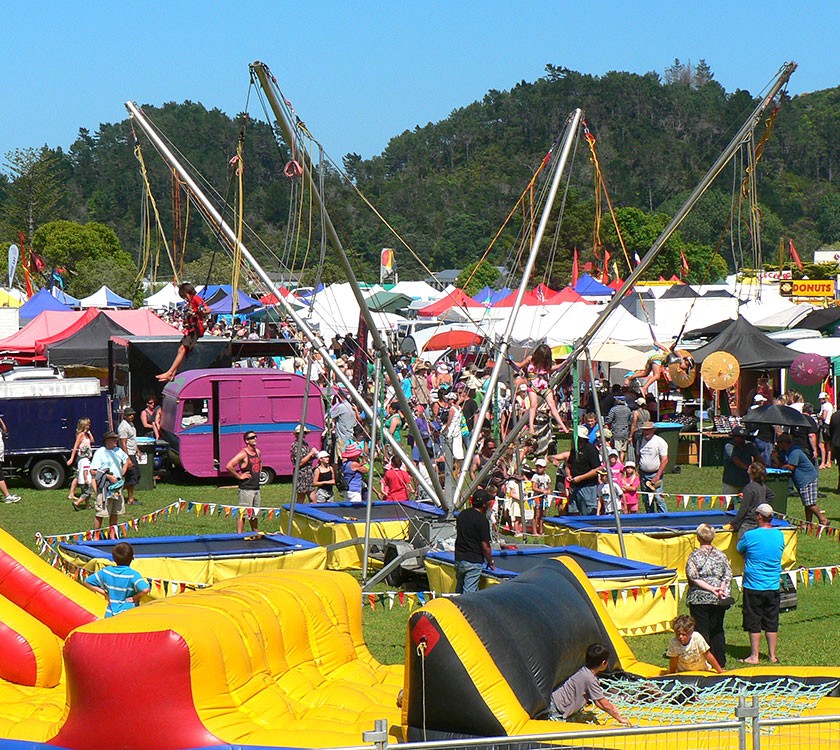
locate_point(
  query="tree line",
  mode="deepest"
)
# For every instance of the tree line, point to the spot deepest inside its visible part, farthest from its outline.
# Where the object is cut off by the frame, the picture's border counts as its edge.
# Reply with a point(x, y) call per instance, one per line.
point(445, 187)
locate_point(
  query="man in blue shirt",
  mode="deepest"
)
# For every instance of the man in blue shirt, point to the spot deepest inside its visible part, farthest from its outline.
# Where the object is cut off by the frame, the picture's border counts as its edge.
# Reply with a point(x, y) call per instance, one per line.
point(762, 548)
point(805, 476)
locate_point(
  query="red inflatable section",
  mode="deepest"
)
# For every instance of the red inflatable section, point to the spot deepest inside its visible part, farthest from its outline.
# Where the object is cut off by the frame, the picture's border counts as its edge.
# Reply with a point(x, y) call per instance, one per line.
point(152, 673)
point(45, 603)
point(17, 661)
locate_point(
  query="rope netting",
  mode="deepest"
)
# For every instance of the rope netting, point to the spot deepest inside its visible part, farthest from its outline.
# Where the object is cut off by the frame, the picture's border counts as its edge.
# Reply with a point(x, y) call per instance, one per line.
point(671, 701)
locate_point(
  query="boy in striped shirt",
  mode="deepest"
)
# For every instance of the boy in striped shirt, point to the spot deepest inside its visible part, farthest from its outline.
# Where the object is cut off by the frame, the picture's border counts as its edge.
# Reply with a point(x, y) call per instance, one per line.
point(121, 585)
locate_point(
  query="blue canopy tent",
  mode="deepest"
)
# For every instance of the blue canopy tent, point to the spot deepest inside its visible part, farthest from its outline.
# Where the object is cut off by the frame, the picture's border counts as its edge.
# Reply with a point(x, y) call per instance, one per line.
point(590, 287)
point(488, 296)
point(221, 303)
point(39, 302)
point(103, 298)
point(64, 298)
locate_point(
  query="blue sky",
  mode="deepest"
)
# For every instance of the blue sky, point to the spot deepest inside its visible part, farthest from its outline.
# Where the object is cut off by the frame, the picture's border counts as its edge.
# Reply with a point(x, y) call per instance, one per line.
point(359, 73)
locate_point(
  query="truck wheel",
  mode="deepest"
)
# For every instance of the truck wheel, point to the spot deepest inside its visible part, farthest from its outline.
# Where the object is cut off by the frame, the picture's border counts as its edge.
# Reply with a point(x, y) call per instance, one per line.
point(395, 577)
point(267, 475)
point(47, 474)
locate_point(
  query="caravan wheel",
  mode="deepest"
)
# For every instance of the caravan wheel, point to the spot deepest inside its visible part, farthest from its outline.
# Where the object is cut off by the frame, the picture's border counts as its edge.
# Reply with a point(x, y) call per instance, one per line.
point(267, 475)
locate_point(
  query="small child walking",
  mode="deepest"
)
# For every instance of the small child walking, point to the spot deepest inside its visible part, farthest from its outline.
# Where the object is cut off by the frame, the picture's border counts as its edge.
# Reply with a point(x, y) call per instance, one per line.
point(688, 650)
point(583, 686)
point(119, 583)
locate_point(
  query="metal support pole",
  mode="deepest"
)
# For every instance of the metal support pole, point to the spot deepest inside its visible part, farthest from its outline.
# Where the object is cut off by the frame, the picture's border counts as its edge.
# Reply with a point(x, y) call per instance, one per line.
point(377, 370)
point(261, 71)
point(299, 443)
point(605, 458)
point(731, 149)
point(572, 125)
point(301, 324)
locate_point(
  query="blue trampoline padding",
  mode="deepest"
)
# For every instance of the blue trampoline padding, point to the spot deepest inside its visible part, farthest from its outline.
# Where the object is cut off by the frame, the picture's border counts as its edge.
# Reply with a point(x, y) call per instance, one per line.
point(511, 562)
point(209, 545)
point(650, 523)
point(355, 512)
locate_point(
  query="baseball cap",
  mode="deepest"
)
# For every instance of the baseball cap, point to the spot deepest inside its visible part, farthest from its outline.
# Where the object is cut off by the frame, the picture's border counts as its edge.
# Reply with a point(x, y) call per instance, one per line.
point(323, 454)
point(765, 509)
point(823, 394)
point(641, 401)
point(759, 398)
point(540, 462)
point(736, 431)
point(631, 464)
point(480, 498)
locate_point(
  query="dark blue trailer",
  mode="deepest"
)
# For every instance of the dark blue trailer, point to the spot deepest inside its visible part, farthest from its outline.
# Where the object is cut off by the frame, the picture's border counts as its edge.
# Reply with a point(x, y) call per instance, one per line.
point(41, 418)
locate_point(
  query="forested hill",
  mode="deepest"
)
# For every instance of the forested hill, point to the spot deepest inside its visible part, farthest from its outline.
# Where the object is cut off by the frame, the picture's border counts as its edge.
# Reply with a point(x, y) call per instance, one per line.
point(447, 186)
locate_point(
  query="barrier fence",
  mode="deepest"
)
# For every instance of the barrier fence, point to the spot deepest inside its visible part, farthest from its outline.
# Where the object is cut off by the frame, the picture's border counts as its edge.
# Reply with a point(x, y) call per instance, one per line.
point(751, 728)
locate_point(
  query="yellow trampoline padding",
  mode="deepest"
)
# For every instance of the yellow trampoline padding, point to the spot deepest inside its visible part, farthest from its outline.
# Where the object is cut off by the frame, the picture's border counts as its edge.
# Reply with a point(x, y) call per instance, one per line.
point(275, 658)
point(640, 606)
point(669, 552)
point(329, 534)
point(207, 571)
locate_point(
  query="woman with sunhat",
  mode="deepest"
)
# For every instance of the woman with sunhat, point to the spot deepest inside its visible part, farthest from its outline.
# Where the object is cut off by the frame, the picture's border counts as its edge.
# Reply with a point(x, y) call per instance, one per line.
point(353, 467)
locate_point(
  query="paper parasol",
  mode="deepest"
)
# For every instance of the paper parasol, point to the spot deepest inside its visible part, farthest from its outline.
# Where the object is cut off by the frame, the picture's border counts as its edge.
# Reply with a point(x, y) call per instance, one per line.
point(720, 370)
point(683, 372)
point(809, 369)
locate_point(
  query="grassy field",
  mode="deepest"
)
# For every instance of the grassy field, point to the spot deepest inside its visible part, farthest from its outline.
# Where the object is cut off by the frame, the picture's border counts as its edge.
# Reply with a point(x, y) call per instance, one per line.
point(819, 605)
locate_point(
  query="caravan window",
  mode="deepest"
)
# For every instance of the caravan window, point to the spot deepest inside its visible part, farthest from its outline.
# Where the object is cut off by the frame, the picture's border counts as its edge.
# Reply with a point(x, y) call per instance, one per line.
point(195, 411)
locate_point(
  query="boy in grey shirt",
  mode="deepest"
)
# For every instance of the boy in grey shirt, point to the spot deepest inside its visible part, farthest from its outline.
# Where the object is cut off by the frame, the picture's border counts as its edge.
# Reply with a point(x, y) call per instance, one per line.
point(583, 686)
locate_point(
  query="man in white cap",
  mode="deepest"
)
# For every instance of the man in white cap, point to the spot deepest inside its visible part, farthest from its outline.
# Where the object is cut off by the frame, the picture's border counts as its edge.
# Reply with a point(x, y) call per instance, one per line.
point(652, 462)
point(826, 412)
point(762, 548)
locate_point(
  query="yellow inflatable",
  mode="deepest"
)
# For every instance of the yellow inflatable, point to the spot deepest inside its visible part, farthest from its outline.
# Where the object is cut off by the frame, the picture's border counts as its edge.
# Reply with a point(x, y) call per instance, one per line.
point(39, 606)
point(273, 659)
point(498, 654)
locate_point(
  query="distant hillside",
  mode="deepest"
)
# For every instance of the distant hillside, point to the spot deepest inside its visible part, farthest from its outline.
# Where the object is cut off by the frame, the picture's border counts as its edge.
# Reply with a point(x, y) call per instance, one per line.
point(447, 186)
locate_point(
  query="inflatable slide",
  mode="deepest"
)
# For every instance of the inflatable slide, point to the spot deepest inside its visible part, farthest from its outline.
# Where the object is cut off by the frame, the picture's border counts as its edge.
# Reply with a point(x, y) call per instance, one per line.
point(39, 607)
point(485, 664)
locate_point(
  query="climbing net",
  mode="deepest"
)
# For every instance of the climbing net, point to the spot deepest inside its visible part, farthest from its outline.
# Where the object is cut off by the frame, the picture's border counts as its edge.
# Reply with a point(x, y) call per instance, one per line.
point(671, 701)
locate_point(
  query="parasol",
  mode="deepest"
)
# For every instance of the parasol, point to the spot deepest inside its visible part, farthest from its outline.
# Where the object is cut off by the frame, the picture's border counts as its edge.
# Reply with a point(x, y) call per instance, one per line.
point(780, 415)
point(809, 369)
point(720, 370)
point(452, 340)
point(683, 372)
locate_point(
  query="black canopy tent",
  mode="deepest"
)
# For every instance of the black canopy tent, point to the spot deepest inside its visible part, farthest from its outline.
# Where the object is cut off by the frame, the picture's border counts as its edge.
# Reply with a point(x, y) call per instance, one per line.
point(818, 320)
point(88, 346)
point(752, 348)
point(679, 291)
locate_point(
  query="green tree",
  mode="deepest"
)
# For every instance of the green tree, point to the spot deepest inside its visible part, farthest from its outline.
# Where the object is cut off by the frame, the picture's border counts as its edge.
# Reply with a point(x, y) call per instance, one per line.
point(476, 276)
point(36, 192)
point(91, 253)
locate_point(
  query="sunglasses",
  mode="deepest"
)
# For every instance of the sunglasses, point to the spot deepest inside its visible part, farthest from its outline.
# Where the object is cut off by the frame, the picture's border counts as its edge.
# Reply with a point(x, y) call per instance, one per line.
point(250, 437)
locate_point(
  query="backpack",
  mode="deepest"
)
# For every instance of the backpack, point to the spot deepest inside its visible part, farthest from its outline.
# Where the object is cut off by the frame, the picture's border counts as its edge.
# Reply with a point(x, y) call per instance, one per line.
point(341, 483)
